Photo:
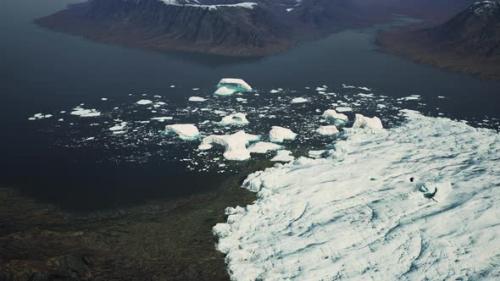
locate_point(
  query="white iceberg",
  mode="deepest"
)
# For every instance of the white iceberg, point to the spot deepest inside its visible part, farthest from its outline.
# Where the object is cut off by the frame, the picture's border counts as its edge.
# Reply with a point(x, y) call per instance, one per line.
point(361, 121)
point(118, 127)
point(236, 119)
point(280, 134)
point(335, 117)
point(82, 112)
point(183, 131)
point(230, 86)
point(235, 145)
point(263, 147)
point(299, 100)
point(144, 102)
point(197, 99)
point(357, 216)
point(329, 130)
point(283, 156)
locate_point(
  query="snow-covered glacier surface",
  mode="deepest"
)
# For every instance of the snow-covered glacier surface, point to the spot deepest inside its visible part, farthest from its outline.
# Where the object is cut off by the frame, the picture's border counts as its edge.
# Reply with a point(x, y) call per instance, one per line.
point(357, 216)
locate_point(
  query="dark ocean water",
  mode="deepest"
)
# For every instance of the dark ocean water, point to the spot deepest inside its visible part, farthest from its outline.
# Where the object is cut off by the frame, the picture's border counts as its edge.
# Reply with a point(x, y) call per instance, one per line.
point(45, 71)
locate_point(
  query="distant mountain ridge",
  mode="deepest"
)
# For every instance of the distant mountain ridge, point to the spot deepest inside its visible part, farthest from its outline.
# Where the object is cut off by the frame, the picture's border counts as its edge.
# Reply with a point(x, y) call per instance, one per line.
point(468, 42)
point(224, 27)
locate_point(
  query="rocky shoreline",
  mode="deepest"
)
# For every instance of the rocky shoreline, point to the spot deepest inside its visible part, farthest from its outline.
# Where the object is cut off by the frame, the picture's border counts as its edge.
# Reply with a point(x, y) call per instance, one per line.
point(161, 240)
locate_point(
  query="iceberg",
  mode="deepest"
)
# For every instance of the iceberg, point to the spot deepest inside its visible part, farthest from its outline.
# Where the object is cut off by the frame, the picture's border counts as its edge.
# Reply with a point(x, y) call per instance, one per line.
point(144, 102)
point(263, 147)
point(357, 216)
point(82, 112)
point(335, 117)
point(283, 156)
point(39, 116)
point(197, 99)
point(236, 119)
point(329, 130)
point(235, 145)
point(118, 127)
point(230, 86)
point(361, 121)
point(280, 134)
point(299, 100)
point(183, 131)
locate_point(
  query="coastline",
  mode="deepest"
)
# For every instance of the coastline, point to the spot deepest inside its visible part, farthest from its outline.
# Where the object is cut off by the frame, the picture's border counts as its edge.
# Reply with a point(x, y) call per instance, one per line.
point(160, 240)
point(402, 43)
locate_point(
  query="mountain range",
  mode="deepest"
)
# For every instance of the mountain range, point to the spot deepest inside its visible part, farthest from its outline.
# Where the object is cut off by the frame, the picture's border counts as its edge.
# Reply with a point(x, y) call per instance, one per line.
point(229, 27)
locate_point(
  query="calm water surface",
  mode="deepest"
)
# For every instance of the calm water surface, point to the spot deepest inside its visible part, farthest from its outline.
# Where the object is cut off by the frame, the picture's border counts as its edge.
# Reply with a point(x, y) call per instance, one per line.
point(45, 71)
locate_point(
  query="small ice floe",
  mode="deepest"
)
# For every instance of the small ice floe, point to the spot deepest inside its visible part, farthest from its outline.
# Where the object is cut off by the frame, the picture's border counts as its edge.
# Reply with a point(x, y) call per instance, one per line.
point(242, 100)
point(316, 154)
point(144, 102)
point(280, 134)
point(162, 118)
point(230, 86)
point(344, 109)
point(329, 130)
point(235, 145)
point(104, 99)
point(118, 127)
point(197, 99)
point(299, 100)
point(275, 91)
point(441, 97)
point(410, 97)
point(183, 131)
point(345, 86)
point(283, 156)
point(82, 112)
point(236, 119)
point(335, 117)
point(263, 147)
point(361, 121)
point(195, 89)
point(323, 88)
point(39, 116)
point(172, 86)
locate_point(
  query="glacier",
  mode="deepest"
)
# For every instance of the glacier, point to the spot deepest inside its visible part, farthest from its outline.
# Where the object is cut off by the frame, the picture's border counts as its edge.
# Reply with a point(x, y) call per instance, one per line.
point(360, 213)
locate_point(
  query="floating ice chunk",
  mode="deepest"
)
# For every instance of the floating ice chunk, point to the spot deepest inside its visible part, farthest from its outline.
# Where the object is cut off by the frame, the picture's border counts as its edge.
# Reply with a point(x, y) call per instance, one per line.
point(336, 118)
point(242, 100)
point(162, 118)
point(280, 134)
point(361, 121)
point(329, 130)
point(225, 91)
point(118, 127)
point(315, 154)
point(230, 86)
point(275, 91)
point(410, 97)
point(236, 119)
point(197, 99)
point(299, 100)
point(283, 156)
point(39, 116)
point(235, 145)
point(365, 89)
point(82, 112)
point(263, 147)
point(183, 131)
point(344, 109)
point(144, 102)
